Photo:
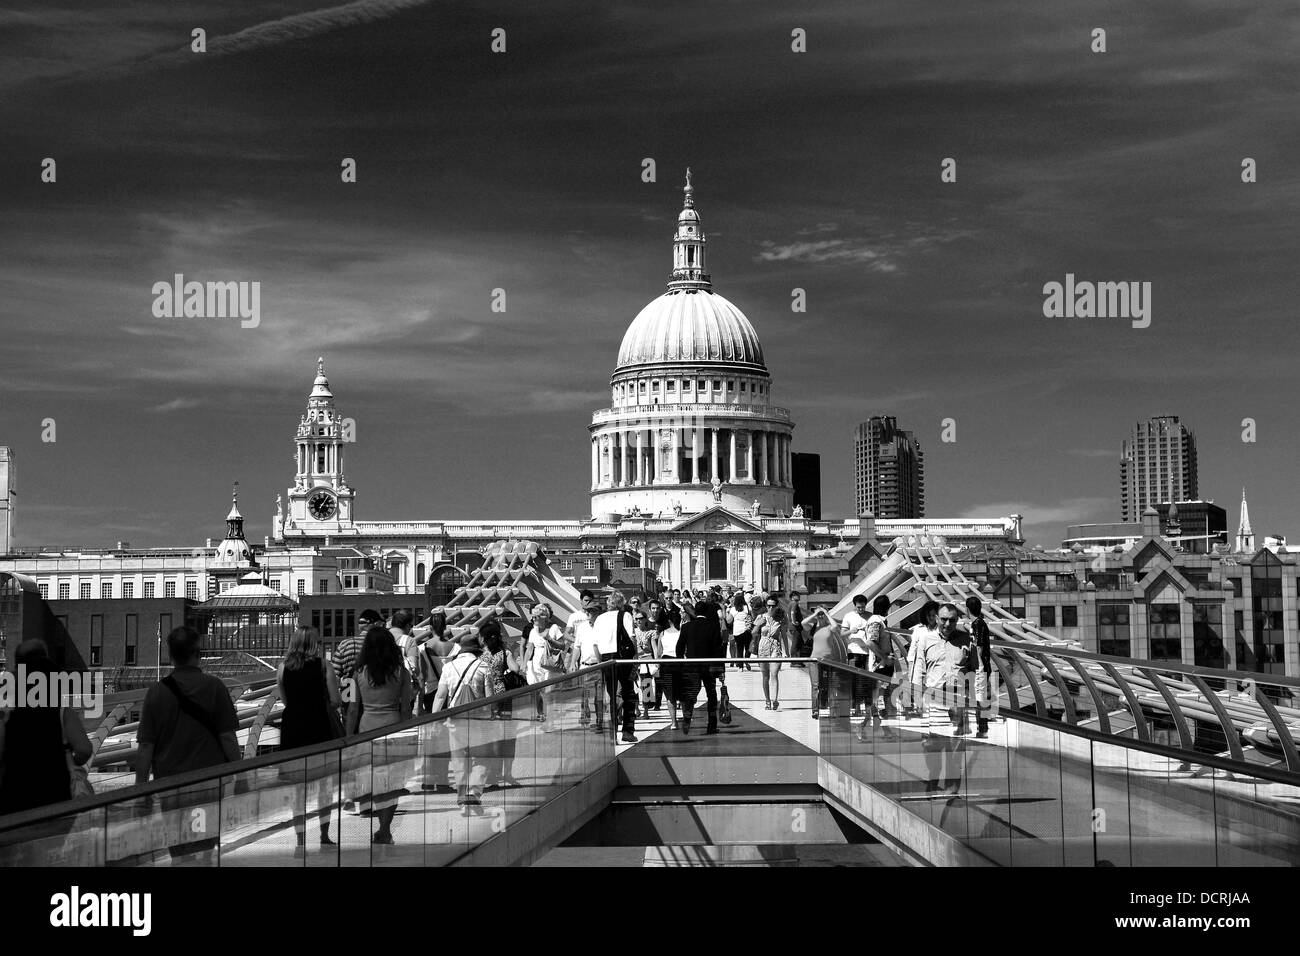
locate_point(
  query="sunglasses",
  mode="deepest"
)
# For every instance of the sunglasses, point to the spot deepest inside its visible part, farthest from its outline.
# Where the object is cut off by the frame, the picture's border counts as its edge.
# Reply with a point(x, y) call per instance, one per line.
point(947, 620)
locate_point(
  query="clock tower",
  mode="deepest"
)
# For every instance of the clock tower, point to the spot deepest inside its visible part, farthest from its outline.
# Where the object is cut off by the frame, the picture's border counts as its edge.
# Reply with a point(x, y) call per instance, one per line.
point(320, 501)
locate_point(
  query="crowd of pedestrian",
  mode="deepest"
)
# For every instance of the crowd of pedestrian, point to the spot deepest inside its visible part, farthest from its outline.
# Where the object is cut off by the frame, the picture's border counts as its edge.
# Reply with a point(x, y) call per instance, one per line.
point(393, 669)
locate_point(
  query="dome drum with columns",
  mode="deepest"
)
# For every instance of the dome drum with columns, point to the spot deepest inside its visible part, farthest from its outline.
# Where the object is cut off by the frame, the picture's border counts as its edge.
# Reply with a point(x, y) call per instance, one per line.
point(691, 424)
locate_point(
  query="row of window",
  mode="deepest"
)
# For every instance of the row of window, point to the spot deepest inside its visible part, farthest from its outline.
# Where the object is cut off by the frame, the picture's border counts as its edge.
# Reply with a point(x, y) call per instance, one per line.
point(128, 590)
point(629, 389)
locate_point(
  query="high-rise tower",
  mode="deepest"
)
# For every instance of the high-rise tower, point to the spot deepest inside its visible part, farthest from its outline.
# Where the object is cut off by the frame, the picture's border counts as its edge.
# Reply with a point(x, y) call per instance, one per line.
point(889, 470)
point(6, 499)
point(1157, 464)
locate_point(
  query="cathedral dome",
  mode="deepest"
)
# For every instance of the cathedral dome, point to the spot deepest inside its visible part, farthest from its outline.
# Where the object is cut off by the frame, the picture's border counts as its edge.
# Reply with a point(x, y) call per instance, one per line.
point(691, 326)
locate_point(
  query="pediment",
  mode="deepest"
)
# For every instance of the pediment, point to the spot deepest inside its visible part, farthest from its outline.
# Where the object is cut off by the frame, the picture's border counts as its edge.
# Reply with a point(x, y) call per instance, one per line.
point(717, 520)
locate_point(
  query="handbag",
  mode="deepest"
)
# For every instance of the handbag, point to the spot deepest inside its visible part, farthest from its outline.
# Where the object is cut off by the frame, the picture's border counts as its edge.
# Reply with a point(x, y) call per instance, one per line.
point(331, 712)
point(724, 706)
point(78, 777)
point(511, 680)
point(626, 646)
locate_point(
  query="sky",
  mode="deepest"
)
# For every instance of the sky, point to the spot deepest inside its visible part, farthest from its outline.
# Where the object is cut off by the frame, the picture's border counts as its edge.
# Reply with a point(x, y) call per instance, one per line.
point(522, 171)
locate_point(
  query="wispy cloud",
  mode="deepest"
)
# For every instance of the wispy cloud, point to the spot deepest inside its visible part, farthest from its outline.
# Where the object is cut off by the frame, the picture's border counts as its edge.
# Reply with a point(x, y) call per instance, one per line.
point(828, 250)
point(1093, 452)
point(175, 405)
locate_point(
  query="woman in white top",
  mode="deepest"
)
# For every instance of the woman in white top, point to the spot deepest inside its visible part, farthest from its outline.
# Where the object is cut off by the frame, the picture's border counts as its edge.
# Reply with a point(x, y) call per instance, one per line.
point(544, 636)
point(668, 673)
point(742, 622)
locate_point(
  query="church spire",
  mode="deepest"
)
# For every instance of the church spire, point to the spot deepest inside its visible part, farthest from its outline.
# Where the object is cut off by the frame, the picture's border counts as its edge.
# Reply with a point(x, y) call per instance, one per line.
point(1245, 536)
point(688, 246)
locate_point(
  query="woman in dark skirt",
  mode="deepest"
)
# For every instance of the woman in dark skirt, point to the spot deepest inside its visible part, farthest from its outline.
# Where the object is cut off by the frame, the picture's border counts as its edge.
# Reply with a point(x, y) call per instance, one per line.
point(310, 691)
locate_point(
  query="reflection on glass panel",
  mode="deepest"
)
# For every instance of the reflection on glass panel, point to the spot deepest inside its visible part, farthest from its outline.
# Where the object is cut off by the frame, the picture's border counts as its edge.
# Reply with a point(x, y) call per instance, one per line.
point(258, 812)
point(74, 839)
point(1171, 812)
point(1035, 811)
point(1255, 822)
point(1111, 811)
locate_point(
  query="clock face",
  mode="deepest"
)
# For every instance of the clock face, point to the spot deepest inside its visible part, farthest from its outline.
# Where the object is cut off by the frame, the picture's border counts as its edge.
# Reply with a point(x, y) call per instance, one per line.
point(321, 505)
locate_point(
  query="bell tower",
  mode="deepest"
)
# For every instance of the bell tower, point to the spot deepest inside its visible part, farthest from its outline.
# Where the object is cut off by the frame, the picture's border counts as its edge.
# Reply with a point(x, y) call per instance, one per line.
point(320, 501)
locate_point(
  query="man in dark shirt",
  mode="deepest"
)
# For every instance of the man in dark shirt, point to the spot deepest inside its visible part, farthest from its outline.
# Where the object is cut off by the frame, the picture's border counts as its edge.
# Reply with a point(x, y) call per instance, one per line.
point(701, 638)
point(187, 723)
point(979, 632)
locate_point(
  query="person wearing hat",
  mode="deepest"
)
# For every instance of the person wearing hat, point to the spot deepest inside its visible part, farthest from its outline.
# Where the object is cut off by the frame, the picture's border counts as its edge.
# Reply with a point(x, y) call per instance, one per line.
point(464, 679)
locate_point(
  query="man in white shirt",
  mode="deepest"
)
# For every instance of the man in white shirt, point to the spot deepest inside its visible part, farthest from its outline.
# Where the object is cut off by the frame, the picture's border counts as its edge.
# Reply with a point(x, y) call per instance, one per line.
point(855, 632)
point(607, 634)
point(582, 635)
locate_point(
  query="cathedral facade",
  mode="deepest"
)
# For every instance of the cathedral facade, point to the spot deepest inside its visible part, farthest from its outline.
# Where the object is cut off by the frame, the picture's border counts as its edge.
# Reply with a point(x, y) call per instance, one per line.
point(690, 463)
point(690, 476)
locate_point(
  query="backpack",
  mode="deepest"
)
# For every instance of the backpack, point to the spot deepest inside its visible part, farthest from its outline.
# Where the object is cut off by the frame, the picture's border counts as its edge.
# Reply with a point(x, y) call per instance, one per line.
point(626, 646)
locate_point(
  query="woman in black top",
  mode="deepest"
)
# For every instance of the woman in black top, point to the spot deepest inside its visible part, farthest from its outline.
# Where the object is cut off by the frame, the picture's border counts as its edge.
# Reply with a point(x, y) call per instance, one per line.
point(310, 691)
point(34, 741)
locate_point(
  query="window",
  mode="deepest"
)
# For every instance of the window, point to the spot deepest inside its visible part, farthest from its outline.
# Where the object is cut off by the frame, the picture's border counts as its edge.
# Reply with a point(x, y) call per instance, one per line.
point(672, 386)
point(128, 589)
point(323, 586)
point(566, 565)
point(742, 386)
point(148, 589)
point(419, 573)
point(717, 384)
point(106, 589)
point(45, 591)
point(85, 590)
point(1266, 651)
point(169, 589)
point(302, 587)
point(1164, 632)
point(1113, 629)
point(225, 586)
point(700, 385)
point(192, 590)
point(1207, 636)
point(96, 640)
point(1047, 616)
point(1236, 587)
point(65, 591)
point(1069, 615)
point(132, 638)
point(589, 564)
